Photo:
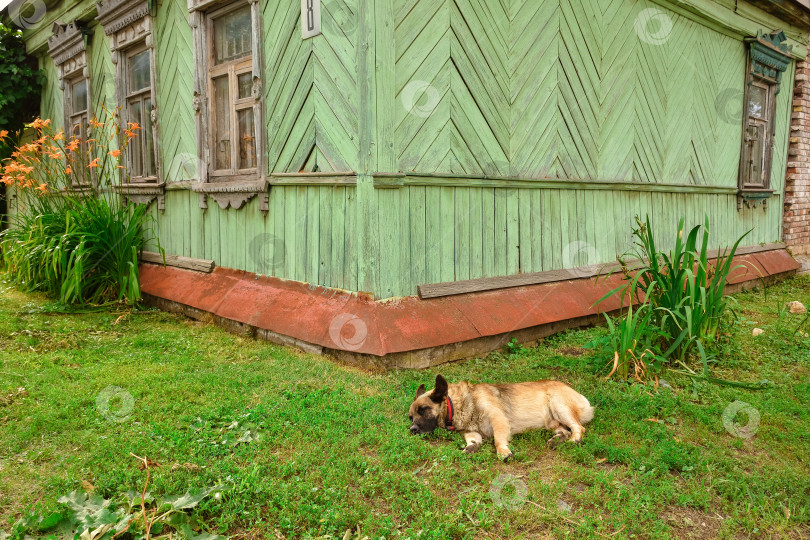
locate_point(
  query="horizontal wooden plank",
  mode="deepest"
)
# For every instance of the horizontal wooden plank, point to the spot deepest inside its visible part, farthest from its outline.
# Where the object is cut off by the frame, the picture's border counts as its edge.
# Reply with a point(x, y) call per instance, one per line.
point(386, 181)
point(450, 288)
point(198, 265)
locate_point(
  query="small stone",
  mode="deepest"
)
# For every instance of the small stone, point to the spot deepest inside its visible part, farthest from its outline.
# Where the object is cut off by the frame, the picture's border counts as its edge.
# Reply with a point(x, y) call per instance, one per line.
point(758, 332)
point(563, 506)
point(663, 383)
point(796, 307)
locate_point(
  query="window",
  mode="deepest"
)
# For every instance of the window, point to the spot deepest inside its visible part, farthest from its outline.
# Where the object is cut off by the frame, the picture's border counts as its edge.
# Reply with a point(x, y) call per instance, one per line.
point(68, 48)
point(768, 58)
point(230, 75)
point(757, 151)
point(138, 109)
point(228, 102)
point(78, 101)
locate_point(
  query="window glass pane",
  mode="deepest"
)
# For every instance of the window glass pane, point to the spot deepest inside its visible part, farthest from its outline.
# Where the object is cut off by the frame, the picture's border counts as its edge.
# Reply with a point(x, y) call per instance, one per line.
point(148, 141)
point(247, 139)
point(136, 144)
point(232, 36)
point(139, 72)
point(757, 101)
point(245, 83)
point(222, 123)
point(78, 93)
point(755, 137)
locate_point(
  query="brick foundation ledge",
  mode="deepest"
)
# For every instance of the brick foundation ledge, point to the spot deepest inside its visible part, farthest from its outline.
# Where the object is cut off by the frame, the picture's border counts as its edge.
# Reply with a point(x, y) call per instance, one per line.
point(404, 332)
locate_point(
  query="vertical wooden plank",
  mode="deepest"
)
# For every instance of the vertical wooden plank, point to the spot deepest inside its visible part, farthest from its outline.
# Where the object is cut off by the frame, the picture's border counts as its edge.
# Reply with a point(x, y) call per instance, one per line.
point(418, 226)
point(525, 229)
point(385, 62)
point(387, 203)
point(462, 233)
point(337, 274)
point(433, 234)
point(537, 229)
point(301, 234)
point(325, 236)
point(225, 240)
point(404, 284)
point(554, 230)
point(500, 237)
point(277, 211)
point(488, 231)
point(350, 241)
point(476, 221)
point(512, 232)
point(447, 235)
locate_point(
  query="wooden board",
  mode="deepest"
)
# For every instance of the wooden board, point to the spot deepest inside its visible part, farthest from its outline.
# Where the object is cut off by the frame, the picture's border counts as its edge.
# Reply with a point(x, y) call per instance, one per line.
point(198, 265)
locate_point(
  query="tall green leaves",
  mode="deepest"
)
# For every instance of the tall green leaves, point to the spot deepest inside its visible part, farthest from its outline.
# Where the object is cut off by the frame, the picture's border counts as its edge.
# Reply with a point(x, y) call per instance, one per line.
point(74, 237)
point(682, 290)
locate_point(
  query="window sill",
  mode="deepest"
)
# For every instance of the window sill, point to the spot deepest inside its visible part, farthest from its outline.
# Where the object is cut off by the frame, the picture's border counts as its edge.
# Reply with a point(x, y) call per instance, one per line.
point(751, 197)
point(233, 194)
point(143, 193)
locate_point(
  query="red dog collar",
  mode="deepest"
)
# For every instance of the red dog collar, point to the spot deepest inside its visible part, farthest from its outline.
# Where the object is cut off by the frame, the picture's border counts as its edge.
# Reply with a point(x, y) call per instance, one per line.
point(448, 424)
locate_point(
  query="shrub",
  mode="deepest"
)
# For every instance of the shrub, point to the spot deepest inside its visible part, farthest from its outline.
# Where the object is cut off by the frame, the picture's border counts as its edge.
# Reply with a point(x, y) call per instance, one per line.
point(681, 292)
point(73, 237)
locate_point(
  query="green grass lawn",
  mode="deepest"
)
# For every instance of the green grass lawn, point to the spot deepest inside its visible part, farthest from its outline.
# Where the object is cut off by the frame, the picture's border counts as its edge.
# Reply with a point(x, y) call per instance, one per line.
point(334, 452)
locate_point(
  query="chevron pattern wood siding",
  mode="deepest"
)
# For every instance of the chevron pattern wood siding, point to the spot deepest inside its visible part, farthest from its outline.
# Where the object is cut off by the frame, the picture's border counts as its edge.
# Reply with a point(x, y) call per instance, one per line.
point(455, 91)
point(574, 89)
point(175, 84)
point(51, 105)
point(311, 88)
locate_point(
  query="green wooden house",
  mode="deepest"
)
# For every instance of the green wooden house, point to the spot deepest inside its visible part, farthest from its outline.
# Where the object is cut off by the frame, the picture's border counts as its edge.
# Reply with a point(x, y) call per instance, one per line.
point(389, 147)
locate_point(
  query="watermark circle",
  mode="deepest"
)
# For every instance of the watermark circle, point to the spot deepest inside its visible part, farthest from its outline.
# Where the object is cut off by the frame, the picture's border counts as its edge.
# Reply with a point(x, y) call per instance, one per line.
point(348, 331)
point(115, 404)
point(267, 253)
point(742, 431)
point(729, 106)
point(510, 501)
point(578, 256)
point(653, 26)
point(186, 166)
point(26, 13)
point(412, 98)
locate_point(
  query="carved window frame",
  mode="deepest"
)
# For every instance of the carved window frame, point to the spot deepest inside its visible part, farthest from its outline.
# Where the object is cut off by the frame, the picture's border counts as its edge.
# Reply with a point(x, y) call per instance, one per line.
point(768, 58)
point(68, 49)
point(129, 26)
point(227, 190)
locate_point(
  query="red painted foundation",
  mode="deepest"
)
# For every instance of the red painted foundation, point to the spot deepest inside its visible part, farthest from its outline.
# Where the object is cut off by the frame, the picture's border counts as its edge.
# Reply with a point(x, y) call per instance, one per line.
point(405, 332)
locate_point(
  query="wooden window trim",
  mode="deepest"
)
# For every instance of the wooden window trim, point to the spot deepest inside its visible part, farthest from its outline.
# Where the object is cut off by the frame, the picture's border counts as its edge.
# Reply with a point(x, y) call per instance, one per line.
point(239, 184)
point(128, 96)
point(768, 57)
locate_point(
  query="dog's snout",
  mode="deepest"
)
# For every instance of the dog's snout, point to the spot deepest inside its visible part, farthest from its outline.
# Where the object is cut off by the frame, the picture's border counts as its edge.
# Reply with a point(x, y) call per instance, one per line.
point(414, 429)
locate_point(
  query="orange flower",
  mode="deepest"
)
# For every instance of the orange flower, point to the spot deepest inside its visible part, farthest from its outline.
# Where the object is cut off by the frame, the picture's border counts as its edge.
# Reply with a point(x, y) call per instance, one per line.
point(59, 136)
point(43, 188)
point(95, 123)
point(73, 145)
point(39, 123)
point(68, 170)
point(3, 134)
point(133, 125)
point(115, 153)
point(93, 164)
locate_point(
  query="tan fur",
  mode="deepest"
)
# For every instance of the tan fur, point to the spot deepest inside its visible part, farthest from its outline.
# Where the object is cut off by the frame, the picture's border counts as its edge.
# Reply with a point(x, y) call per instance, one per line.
point(500, 410)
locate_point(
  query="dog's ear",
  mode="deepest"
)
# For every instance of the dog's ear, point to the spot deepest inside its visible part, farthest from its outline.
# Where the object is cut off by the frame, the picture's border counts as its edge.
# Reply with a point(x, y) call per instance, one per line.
point(440, 392)
point(419, 391)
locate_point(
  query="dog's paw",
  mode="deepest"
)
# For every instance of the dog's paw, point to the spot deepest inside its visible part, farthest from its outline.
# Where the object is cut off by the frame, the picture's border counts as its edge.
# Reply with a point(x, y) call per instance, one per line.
point(472, 448)
point(505, 455)
point(556, 441)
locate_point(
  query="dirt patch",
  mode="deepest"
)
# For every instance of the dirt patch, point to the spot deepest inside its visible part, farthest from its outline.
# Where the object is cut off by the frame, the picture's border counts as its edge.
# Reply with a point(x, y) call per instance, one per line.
point(688, 522)
point(573, 351)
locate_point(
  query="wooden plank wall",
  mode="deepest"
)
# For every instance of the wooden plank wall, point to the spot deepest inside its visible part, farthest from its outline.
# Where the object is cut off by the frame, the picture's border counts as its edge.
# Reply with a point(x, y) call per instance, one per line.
point(558, 89)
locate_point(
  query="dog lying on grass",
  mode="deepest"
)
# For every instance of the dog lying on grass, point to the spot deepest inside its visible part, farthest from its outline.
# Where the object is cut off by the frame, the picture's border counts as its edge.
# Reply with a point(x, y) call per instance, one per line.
point(500, 410)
